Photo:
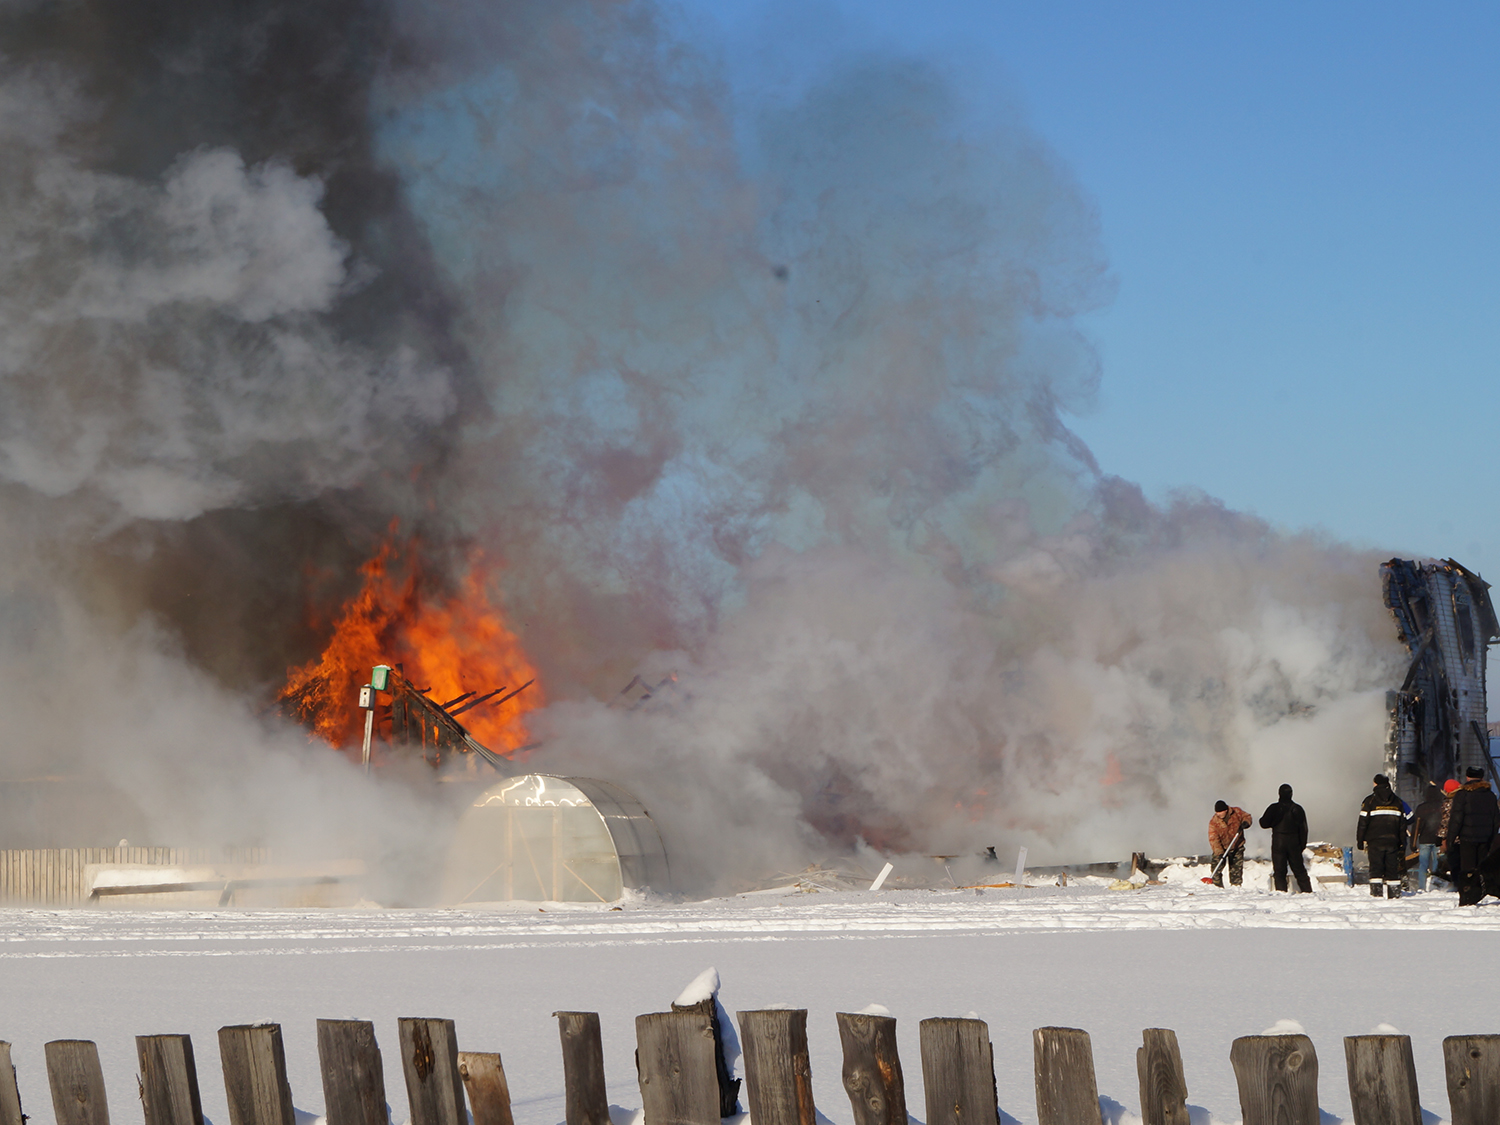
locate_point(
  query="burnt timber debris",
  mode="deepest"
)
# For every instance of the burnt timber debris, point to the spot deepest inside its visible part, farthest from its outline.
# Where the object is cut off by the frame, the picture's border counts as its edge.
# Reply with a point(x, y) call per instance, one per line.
point(419, 723)
point(639, 692)
point(1438, 715)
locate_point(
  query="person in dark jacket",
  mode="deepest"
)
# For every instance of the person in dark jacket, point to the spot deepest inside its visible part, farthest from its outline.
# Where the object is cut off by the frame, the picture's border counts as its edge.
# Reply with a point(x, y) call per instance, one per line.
point(1288, 825)
point(1383, 822)
point(1424, 832)
point(1472, 822)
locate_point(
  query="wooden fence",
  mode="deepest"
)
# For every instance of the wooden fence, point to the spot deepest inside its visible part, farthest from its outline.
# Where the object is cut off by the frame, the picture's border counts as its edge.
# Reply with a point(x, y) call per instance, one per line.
point(57, 876)
point(683, 1080)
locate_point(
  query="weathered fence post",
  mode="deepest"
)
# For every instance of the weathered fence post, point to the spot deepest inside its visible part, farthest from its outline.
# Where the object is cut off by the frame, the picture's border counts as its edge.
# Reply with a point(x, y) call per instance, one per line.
point(1278, 1079)
point(489, 1092)
point(1158, 1065)
point(1382, 1080)
point(1472, 1064)
point(77, 1082)
point(958, 1072)
point(254, 1062)
point(674, 1055)
point(1066, 1092)
point(169, 1080)
point(729, 1086)
point(778, 1075)
point(10, 1092)
point(429, 1056)
point(872, 1069)
point(583, 1068)
point(353, 1074)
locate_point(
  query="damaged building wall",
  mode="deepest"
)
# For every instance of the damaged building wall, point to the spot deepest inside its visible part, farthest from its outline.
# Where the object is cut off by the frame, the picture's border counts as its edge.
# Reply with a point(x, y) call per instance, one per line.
point(1438, 716)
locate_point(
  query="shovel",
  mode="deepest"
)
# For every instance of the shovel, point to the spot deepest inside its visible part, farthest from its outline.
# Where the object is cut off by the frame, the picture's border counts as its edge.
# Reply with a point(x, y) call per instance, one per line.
point(1239, 838)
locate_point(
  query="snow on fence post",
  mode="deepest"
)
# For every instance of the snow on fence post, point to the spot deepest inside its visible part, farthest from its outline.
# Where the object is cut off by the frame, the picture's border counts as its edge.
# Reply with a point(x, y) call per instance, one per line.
point(583, 1068)
point(353, 1073)
point(10, 1093)
point(1277, 1077)
point(489, 1092)
point(674, 1058)
point(872, 1069)
point(77, 1082)
point(254, 1062)
point(1158, 1064)
point(169, 1080)
point(729, 1086)
point(1382, 1080)
point(958, 1072)
point(1066, 1093)
point(778, 1075)
point(429, 1057)
point(1472, 1064)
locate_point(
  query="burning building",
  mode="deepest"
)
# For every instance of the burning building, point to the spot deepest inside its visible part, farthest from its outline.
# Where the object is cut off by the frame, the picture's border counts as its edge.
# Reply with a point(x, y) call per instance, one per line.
point(281, 279)
point(1438, 715)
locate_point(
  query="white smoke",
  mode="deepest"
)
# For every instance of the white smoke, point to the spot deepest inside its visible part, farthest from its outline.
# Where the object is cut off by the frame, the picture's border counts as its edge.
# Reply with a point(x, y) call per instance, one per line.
point(784, 417)
point(769, 397)
point(1100, 712)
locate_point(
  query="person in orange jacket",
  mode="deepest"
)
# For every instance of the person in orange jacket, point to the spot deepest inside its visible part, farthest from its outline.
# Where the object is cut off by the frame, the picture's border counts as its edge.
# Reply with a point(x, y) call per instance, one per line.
point(1226, 833)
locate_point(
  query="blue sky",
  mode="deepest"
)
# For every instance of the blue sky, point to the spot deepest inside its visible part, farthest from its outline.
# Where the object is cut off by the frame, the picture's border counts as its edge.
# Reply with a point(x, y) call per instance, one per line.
point(1299, 203)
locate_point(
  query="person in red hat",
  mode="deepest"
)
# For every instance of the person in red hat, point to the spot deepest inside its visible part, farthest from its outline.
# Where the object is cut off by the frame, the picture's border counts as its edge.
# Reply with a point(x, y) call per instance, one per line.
point(1450, 787)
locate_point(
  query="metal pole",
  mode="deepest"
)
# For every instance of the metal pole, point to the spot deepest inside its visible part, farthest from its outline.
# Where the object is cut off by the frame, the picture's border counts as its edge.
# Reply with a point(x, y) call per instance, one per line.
point(369, 727)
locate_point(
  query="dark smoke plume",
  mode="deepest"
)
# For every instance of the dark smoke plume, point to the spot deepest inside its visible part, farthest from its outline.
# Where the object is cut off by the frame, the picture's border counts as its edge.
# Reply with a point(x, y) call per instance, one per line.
point(226, 344)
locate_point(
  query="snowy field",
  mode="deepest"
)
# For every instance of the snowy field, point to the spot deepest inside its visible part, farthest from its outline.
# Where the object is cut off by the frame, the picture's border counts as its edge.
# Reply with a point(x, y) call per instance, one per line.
point(1211, 964)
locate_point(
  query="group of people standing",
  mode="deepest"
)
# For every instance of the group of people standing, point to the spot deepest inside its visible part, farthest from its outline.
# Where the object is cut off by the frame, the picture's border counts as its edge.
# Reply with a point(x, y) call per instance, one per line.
point(1455, 824)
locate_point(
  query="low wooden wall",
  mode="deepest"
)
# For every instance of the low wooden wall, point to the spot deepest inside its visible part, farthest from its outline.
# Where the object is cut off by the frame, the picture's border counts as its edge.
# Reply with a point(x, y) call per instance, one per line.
point(55, 876)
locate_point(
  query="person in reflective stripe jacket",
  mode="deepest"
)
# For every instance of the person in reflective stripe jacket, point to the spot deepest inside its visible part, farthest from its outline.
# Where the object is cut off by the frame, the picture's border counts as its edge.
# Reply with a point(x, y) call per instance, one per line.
point(1384, 821)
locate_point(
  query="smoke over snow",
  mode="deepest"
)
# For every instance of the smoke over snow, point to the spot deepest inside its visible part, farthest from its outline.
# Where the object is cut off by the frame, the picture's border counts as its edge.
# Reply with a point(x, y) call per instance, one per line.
point(771, 397)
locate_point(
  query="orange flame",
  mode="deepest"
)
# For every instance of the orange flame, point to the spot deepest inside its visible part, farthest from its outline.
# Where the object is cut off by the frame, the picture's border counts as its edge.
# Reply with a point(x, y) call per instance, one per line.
point(448, 644)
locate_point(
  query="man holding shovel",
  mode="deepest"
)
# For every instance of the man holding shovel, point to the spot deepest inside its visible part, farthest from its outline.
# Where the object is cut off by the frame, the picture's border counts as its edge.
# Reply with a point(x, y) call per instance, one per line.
point(1226, 839)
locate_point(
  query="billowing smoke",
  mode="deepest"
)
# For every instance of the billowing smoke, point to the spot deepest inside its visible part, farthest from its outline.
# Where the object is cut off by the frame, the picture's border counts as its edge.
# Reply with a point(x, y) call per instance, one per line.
point(225, 364)
point(769, 397)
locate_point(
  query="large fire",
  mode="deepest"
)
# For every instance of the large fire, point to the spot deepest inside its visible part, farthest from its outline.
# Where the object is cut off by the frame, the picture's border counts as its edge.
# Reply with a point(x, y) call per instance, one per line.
point(447, 644)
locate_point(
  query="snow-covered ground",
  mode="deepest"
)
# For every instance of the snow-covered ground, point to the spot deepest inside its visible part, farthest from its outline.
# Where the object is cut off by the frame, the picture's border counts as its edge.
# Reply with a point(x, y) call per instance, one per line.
point(1212, 964)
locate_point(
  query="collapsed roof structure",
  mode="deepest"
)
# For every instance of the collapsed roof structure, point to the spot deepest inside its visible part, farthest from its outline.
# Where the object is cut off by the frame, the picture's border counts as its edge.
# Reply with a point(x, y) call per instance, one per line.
point(432, 728)
point(1438, 715)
